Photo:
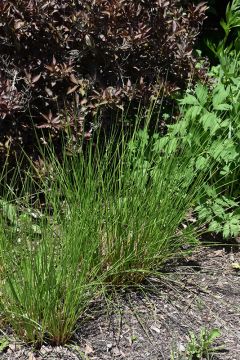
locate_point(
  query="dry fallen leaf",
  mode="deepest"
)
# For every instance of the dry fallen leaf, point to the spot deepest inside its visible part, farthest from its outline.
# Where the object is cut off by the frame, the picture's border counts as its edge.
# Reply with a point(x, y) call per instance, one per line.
point(31, 356)
point(156, 329)
point(88, 349)
point(236, 266)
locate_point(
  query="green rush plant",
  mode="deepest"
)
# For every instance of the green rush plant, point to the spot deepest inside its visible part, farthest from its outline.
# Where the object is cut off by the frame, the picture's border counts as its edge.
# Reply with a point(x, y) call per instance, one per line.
point(109, 216)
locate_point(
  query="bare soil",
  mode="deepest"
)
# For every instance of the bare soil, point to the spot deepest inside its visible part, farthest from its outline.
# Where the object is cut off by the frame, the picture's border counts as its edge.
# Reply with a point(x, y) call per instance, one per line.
point(201, 292)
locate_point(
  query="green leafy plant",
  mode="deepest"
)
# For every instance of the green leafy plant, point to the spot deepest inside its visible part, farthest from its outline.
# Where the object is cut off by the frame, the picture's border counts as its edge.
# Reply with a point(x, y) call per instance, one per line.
point(201, 347)
point(216, 109)
point(230, 23)
point(220, 212)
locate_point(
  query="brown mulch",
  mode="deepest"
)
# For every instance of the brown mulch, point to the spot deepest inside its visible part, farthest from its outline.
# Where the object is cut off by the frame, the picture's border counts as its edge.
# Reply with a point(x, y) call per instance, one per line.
point(202, 292)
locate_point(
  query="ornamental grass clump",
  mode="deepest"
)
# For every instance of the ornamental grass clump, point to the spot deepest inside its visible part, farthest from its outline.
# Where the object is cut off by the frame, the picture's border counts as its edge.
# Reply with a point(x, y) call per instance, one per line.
point(108, 217)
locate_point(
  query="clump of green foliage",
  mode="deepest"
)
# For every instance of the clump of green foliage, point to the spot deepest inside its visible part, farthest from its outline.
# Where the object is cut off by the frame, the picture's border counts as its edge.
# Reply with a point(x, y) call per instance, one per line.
point(111, 216)
point(216, 109)
point(200, 347)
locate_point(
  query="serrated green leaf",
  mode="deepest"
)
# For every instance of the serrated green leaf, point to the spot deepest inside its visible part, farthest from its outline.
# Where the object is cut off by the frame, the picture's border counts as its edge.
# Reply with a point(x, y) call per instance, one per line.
point(189, 100)
point(194, 111)
point(221, 202)
point(210, 191)
point(202, 94)
point(204, 213)
point(226, 230)
point(160, 144)
point(172, 145)
point(210, 122)
point(230, 152)
point(223, 107)
point(215, 226)
point(220, 95)
point(231, 228)
point(224, 150)
point(230, 202)
point(179, 128)
point(216, 149)
point(218, 210)
point(234, 226)
point(225, 123)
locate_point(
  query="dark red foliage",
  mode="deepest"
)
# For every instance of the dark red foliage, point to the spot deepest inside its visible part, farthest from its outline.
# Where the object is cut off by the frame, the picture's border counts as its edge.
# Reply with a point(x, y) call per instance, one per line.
point(61, 61)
